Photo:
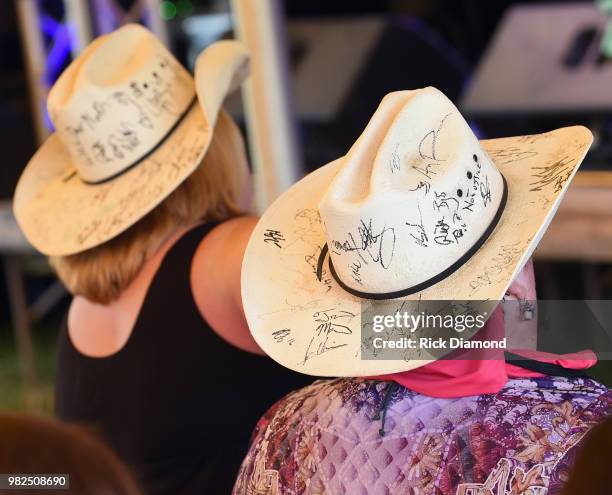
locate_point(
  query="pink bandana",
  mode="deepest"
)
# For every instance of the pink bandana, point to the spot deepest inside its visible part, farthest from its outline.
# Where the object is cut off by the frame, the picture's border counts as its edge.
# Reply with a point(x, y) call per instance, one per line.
point(484, 371)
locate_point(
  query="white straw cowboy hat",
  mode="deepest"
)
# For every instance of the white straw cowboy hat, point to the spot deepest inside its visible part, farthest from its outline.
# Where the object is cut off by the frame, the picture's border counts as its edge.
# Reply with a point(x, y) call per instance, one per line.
point(131, 125)
point(418, 209)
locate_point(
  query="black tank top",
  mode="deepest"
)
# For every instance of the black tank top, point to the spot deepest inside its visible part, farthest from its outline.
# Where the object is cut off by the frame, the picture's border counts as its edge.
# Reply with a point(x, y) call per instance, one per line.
point(177, 403)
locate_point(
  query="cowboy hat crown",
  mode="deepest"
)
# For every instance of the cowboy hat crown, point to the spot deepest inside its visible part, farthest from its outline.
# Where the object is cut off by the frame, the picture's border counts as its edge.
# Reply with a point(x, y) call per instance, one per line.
point(415, 196)
point(116, 105)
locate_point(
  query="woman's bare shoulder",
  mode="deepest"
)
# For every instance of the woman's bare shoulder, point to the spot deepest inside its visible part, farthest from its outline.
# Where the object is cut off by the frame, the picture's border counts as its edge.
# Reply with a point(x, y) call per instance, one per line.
point(215, 280)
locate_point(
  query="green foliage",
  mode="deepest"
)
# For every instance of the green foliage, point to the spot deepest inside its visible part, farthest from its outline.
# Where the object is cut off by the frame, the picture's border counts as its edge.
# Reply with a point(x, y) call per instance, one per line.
point(13, 395)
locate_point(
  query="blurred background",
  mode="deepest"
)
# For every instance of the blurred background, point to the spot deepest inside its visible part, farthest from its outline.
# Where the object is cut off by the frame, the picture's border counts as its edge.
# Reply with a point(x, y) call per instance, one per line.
point(320, 68)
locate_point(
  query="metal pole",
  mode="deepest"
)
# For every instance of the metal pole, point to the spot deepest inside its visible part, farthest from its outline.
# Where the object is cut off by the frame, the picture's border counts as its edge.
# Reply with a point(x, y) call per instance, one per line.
point(34, 57)
point(21, 326)
point(156, 23)
point(269, 115)
point(77, 13)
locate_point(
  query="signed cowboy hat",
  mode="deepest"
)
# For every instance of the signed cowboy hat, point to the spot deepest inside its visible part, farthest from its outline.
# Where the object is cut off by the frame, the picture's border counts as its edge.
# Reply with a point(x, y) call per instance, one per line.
point(131, 124)
point(418, 210)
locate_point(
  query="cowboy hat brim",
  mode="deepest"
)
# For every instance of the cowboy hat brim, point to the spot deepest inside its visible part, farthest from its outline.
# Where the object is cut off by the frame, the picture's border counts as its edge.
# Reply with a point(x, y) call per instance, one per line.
point(284, 298)
point(62, 215)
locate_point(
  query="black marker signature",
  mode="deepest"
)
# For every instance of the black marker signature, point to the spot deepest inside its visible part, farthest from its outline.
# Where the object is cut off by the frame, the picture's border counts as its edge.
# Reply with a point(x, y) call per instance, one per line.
point(423, 184)
point(441, 233)
point(395, 163)
point(275, 237)
point(433, 134)
point(377, 247)
point(331, 326)
point(355, 269)
point(442, 200)
point(417, 231)
point(283, 335)
point(485, 191)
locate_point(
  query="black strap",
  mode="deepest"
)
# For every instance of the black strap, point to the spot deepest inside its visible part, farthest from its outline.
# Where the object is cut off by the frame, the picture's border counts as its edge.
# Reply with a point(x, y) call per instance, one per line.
point(183, 249)
point(544, 368)
point(391, 388)
point(427, 283)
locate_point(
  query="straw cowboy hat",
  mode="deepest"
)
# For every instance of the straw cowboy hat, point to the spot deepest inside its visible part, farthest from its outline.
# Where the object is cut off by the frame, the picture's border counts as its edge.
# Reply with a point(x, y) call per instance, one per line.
point(417, 210)
point(130, 125)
